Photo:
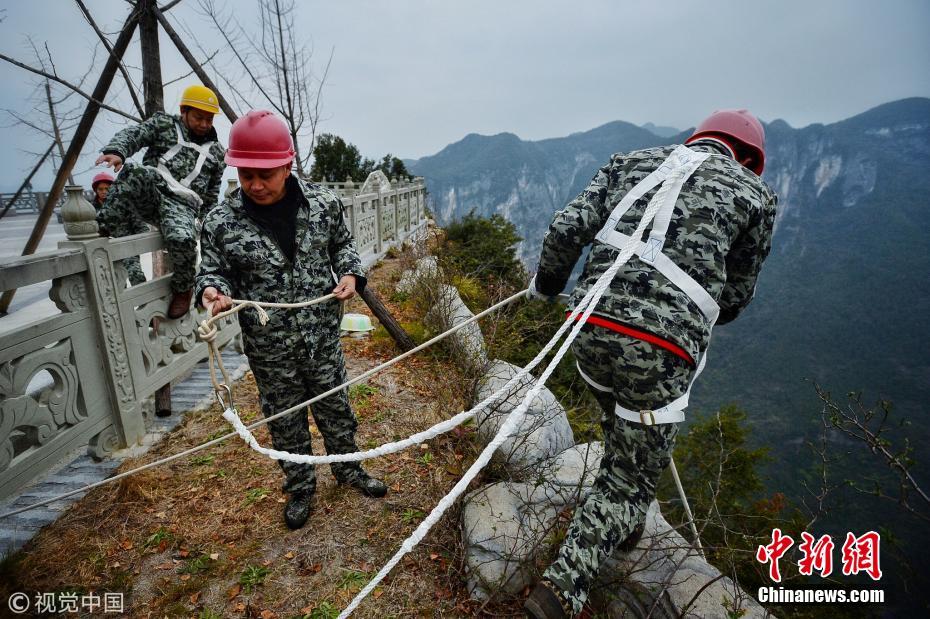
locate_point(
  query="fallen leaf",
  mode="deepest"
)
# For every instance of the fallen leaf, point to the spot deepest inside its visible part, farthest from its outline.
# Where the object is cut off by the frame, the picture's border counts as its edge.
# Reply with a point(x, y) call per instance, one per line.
point(316, 567)
point(306, 610)
point(183, 553)
point(194, 597)
point(267, 614)
point(214, 556)
point(289, 555)
point(185, 577)
point(160, 515)
point(233, 591)
point(126, 544)
point(377, 593)
point(433, 556)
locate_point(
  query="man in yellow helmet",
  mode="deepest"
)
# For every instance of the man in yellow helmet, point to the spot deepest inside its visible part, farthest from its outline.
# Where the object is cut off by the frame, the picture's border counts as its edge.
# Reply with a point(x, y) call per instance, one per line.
point(178, 181)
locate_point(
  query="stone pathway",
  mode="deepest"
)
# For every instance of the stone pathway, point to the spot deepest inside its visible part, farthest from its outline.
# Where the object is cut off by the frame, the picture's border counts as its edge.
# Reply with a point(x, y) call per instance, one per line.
point(78, 469)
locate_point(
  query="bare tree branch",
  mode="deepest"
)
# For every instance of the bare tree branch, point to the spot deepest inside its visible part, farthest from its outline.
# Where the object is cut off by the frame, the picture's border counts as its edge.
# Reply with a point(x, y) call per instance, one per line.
point(191, 72)
point(196, 66)
point(68, 84)
point(106, 44)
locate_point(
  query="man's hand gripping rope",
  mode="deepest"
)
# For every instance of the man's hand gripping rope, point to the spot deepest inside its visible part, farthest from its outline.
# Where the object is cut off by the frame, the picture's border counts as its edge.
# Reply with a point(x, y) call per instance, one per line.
point(222, 306)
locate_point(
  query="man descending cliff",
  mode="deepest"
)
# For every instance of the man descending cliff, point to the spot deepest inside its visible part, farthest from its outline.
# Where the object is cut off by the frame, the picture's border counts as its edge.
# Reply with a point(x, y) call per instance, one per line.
point(645, 342)
point(280, 239)
point(178, 181)
point(101, 187)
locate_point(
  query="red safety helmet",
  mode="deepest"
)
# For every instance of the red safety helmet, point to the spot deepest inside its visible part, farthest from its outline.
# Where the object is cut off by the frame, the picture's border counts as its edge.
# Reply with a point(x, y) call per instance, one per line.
point(101, 177)
point(259, 140)
point(741, 127)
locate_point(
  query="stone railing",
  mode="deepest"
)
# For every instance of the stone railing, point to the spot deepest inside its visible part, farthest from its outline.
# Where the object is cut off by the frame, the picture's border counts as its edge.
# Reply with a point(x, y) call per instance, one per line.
point(382, 211)
point(79, 377)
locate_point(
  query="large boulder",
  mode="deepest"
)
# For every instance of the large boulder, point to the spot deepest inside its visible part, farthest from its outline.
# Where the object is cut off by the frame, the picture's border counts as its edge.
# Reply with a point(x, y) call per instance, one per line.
point(543, 433)
point(424, 269)
point(665, 575)
point(467, 343)
point(505, 525)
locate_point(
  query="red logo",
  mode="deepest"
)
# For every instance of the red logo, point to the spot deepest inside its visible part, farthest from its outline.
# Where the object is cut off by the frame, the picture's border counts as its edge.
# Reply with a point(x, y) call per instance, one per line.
point(773, 552)
point(860, 554)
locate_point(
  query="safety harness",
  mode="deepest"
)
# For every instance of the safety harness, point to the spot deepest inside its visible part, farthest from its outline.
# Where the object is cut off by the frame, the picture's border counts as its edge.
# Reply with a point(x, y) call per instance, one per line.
point(182, 188)
point(676, 169)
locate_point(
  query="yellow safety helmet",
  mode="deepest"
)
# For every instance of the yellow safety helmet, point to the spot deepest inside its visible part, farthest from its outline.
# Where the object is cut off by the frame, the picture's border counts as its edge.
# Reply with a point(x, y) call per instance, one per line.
point(201, 98)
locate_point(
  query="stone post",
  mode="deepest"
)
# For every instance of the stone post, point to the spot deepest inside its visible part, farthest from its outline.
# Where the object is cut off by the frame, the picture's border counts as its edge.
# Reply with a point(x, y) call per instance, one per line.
point(379, 224)
point(102, 290)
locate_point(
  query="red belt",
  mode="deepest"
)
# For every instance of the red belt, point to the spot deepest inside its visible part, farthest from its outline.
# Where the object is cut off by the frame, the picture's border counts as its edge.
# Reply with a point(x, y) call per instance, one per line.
point(645, 336)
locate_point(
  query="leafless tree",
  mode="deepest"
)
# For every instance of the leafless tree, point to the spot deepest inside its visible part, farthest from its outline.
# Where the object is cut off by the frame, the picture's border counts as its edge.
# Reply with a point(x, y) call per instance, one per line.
point(276, 66)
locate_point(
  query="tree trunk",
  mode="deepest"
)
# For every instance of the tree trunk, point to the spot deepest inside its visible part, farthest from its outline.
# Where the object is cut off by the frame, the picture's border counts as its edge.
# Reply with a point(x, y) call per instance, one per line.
point(384, 315)
point(154, 102)
point(77, 143)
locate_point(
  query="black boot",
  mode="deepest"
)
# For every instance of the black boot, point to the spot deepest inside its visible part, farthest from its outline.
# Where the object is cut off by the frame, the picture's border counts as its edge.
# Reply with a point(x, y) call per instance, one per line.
point(365, 483)
point(544, 603)
point(297, 509)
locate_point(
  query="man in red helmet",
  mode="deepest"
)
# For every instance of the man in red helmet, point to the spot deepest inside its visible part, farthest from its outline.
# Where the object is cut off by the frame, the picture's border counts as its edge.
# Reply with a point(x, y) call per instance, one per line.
point(646, 340)
point(277, 238)
point(101, 186)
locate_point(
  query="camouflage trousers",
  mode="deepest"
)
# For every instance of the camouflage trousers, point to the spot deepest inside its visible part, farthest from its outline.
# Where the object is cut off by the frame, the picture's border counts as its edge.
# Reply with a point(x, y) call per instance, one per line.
point(296, 376)
point(132, 264)
point(642, 377)
point(141, 194)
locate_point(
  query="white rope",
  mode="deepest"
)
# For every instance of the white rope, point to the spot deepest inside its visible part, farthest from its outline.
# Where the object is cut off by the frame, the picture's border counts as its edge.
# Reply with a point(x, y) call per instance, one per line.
point(442, 427)
point(587, 304)
point(261, 422)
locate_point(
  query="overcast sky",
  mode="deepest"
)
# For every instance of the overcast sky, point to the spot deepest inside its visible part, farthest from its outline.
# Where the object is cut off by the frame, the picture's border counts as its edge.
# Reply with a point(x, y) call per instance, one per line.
point(410, 77)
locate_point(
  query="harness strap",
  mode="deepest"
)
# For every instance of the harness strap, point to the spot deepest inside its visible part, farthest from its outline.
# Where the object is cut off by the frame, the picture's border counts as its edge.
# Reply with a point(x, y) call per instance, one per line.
point(670, 413)
point(677, 168)
point(182, 187)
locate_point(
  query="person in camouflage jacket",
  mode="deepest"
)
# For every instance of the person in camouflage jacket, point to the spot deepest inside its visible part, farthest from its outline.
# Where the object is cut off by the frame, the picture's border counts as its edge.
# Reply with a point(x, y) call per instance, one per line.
point(280, 239)
point(101, 187)
point(178, 181)
point(641, 348)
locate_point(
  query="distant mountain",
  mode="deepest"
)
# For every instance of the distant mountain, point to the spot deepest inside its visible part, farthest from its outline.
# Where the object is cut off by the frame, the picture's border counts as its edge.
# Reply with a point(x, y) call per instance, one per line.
point(844, 298)
point(662, 132)
point(526, 182)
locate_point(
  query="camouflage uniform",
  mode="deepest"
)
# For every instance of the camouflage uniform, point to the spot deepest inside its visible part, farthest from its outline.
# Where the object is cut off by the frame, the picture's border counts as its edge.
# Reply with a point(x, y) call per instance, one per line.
point(297, 354)
point(132, 264)
point(140, 192)
point(719, 234)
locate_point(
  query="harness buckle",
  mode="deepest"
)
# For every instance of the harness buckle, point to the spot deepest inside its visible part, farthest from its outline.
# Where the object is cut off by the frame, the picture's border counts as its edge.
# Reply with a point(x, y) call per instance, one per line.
point(218, 392)
point(642, 417)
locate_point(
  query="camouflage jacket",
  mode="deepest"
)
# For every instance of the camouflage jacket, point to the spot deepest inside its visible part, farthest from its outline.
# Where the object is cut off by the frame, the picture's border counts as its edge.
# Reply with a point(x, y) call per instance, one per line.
point(241, 259)
point(720, 234)
point(159, 133)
